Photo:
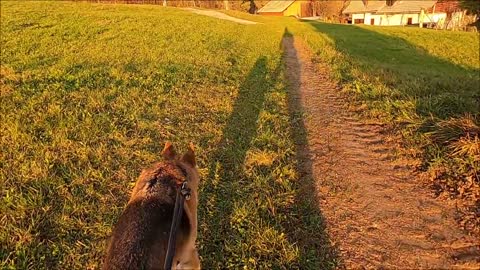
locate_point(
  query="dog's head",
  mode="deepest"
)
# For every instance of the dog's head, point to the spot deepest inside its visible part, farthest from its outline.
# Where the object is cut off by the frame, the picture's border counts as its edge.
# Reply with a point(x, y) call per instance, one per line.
point(174, 169)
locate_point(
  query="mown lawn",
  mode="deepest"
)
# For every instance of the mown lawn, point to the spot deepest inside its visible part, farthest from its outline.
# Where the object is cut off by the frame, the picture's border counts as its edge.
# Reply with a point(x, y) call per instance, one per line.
point(89, 95)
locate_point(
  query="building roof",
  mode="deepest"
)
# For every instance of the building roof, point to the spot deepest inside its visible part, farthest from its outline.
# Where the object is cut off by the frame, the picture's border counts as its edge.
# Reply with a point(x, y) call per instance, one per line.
point(275, 6)
point(402, 6)
point(446, 6)
point(406, 6)
point(358, 6)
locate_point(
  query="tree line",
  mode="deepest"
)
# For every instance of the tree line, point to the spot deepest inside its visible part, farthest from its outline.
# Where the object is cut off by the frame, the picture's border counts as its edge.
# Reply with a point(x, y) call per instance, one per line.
point(329, 10)
point(325, 8)
point(243, 5)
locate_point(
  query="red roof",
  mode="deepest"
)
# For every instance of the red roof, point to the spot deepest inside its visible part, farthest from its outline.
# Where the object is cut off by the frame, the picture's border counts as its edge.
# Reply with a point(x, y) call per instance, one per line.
point(446, 6)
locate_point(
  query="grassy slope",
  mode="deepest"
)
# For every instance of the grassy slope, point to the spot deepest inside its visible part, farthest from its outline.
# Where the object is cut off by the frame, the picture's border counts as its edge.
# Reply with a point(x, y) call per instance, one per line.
point(423, 84)
point(414, 71)
point(90, 92)
point(89, 95)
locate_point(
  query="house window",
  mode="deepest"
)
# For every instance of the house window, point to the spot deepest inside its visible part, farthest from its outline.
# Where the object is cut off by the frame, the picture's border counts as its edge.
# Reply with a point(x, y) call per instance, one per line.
point(410, 21)
point(359, 21)
point(372, 21)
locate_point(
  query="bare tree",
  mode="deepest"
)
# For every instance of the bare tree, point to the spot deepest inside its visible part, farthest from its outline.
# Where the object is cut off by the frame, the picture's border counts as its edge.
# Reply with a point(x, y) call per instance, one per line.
point(253, 7)
point(330, 10)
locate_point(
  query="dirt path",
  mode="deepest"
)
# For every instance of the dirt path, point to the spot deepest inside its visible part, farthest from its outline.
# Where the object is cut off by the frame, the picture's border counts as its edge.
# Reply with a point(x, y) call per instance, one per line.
point(219, 15)
point(377, 212)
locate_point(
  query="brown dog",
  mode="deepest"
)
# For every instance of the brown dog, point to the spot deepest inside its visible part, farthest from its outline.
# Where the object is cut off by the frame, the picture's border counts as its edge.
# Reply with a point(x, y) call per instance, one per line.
point(140, 238)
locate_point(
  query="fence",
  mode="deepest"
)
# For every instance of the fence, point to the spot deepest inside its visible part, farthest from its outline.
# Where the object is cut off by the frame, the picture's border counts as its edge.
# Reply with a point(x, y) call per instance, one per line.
point(211, 4)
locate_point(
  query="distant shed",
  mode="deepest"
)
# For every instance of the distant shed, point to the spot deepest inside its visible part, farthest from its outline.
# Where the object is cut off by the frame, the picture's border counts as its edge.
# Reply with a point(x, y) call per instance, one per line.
point(287, 8)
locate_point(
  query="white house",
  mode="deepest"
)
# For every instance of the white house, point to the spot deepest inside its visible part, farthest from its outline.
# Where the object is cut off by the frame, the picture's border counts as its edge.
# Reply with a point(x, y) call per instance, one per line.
point(397, 12)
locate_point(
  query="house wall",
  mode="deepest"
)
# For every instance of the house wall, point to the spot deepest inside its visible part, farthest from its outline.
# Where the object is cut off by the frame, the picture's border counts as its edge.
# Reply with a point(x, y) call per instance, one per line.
point(378, 19)
point(359, 16)
point(271, 13)
point(295, 9)
point(397, 19)
point(434, 17)
point(367, 18)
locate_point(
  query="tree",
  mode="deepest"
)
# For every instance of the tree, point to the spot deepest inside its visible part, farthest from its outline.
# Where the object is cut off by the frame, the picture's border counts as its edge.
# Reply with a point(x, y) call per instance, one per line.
point(253, 7)
point(330, 10)
point(472, 6)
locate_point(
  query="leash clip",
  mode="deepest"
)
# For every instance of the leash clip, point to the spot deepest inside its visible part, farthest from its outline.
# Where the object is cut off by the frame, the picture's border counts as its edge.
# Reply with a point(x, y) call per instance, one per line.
point(185, 191)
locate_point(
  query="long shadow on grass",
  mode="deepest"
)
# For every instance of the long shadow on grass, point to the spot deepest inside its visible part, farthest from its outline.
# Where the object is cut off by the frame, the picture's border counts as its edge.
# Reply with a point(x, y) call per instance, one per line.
point(310, 230)
point(394, 77)
point(226, 183)
point(246, 218)
point(440, 88)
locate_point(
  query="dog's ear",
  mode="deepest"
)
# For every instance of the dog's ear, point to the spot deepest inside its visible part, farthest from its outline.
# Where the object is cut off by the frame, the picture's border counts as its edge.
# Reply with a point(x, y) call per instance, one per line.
point(169, 152)
point(189, 156)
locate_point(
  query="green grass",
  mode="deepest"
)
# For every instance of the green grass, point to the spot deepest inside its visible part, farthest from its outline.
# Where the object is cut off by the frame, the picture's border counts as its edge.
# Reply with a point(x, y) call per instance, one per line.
point(424, 85)
point(405, 73)
point(89, 94)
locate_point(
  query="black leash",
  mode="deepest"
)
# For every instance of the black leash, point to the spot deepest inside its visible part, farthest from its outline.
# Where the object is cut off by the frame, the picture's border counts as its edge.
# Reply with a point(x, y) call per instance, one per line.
point(183, 193)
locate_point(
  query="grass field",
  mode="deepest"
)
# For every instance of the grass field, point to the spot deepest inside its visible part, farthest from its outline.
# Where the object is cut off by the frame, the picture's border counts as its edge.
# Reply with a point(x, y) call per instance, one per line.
point(424, 86)
point(89, 94)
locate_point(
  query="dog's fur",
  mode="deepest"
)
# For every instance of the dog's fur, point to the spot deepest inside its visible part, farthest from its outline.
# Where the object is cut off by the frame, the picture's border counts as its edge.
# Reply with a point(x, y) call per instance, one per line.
point(140, 238)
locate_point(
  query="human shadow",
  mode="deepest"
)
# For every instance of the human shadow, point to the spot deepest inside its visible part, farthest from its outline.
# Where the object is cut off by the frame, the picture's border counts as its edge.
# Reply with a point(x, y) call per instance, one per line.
point(225, 225)
point(226, 178)
point(440, 88)
point(311, 234)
